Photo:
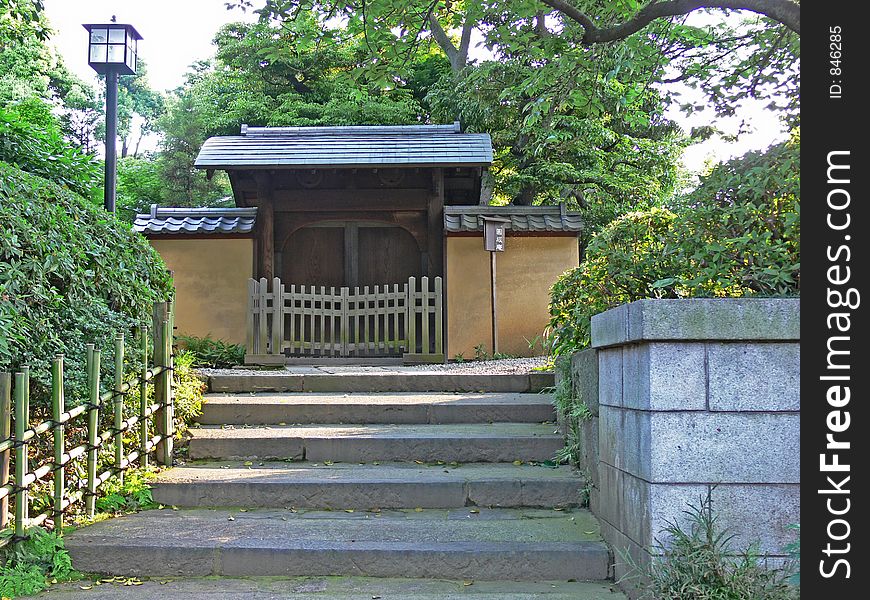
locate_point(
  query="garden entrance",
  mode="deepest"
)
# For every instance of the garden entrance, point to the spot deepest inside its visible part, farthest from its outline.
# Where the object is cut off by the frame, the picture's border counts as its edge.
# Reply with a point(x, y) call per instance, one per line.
point(398, 320)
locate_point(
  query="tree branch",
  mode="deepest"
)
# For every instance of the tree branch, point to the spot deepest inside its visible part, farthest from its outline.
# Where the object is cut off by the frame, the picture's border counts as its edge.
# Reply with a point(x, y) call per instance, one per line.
point(786, 12)
point(442, 39)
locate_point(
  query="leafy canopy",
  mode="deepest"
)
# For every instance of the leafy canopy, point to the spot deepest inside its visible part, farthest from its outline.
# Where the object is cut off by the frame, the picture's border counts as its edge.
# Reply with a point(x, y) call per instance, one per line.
point(737, 235)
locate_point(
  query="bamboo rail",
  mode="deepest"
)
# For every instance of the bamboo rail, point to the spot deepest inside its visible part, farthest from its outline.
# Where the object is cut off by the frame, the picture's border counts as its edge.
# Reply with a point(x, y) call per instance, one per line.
point(15, 408)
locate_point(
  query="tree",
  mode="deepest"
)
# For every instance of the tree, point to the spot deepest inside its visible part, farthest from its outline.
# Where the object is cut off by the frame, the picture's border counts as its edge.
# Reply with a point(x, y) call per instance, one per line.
point(269, 76)
point(21, 19)
point(139, 108)
point(727, 63)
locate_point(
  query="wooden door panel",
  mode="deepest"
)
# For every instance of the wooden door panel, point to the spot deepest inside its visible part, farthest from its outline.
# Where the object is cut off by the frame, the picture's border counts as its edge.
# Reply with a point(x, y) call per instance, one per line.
point(314, 256)
point(387, 255)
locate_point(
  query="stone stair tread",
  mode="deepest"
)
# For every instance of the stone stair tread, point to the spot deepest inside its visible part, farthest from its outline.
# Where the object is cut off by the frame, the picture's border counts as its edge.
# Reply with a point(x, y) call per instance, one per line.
point(340, 398)
point(337, 588)
point(237, 472)
point(387, 407)
point(376, 381)
point(466, 430)
point(294, 528)
point(499, 544)
point(352, 485)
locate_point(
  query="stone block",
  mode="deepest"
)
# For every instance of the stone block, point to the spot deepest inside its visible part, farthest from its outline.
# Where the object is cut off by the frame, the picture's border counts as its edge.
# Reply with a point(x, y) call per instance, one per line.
point(589, 449)
point(611, 436)
point(754, 376)
point(584, 375)
point(698, 319)
point(610, 377)
point(664, 376)
point(610, 328)
point(609, 504)
point(691, 447)
point(759, 514)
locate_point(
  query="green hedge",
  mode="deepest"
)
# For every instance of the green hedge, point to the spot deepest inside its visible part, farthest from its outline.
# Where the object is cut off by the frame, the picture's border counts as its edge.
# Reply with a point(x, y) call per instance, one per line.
point(70, 274)
point(737, 234)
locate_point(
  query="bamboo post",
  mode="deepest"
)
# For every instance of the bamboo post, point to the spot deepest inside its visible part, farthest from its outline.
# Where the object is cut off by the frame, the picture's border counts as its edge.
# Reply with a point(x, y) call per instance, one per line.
point(93, 363)
point(163, 382)
point(5, 433)
point(26, 370)
point(143, 398)
point(170, 383)
point(57, 409)
point(119, 406)
point(21, 422)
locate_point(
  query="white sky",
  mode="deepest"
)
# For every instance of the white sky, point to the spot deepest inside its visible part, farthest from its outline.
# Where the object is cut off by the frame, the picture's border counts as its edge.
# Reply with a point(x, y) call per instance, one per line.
point(178, 32)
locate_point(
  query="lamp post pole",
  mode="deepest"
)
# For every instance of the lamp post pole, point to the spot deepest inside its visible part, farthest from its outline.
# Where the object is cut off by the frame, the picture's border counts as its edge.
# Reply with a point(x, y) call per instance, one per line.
point(111, 139)
point(112, 51)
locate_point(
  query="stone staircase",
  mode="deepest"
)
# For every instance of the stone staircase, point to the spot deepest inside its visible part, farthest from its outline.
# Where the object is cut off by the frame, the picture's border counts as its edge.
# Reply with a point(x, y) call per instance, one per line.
point(396, 481)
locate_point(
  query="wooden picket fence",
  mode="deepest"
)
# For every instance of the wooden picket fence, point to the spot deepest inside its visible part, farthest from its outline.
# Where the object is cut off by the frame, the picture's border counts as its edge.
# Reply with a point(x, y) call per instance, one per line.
point(15, 408)
point(316, 321)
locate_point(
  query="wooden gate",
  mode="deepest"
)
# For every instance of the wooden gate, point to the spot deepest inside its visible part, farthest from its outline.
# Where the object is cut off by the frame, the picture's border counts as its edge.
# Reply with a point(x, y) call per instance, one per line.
point(315, 321)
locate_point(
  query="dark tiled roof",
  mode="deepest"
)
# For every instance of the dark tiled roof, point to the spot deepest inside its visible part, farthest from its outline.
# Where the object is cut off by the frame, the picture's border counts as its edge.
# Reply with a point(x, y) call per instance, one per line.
point(520, 218)
point(395, 145)
point(182, 221)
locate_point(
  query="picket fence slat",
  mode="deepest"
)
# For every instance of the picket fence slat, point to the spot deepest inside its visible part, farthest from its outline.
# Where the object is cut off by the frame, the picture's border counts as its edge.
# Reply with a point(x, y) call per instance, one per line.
point(316, 321)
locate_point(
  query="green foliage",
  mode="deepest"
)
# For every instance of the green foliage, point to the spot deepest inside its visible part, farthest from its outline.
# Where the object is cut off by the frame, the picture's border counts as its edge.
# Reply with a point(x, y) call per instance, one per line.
point(696, 561)
point(741, 226)
point(738, 234)
point(564, 130)
point(22, 19)
point(572, 410)
point(29, 566)
point(132, 495)
point(212, 353)
point(794, 552)
point(31, 139)
point(622, 264)
point(188, 390)
point(140, 185)
point(70, 274)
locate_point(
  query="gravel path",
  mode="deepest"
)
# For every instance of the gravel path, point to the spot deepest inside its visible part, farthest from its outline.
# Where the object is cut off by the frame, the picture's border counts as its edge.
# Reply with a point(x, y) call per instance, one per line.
point(509, 366)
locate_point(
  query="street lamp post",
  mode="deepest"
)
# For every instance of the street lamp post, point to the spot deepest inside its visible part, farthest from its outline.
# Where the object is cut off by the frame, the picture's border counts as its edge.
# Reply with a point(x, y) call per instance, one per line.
point(112, 51)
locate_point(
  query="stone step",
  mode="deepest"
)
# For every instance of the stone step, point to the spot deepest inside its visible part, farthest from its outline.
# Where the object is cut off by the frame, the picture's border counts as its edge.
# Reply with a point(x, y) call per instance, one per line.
point(334, 588)
point(392, 407)
point(353, 486)
point(497, 442)
point(472, 544)
point(377, 381)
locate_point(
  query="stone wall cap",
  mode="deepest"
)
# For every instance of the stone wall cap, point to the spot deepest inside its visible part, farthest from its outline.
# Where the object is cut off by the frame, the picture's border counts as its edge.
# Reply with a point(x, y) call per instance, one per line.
point(726, 319)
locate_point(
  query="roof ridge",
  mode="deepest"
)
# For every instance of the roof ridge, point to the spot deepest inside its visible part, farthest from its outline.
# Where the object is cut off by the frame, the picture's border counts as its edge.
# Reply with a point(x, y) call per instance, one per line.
point(248, 131)
point(158, 212)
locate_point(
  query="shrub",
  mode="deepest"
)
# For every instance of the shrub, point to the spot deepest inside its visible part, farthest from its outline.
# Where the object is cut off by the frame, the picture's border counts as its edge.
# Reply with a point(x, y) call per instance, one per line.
point(212, 353)
point(622, 264)
point(698, 562)
point(188, 391)
point(31, 139)
point(70, 274)
point(738, 234)
point(30, 565)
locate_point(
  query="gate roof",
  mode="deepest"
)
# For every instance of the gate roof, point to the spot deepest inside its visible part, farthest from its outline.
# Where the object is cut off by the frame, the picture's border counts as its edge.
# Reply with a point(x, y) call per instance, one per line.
point(346, 147)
